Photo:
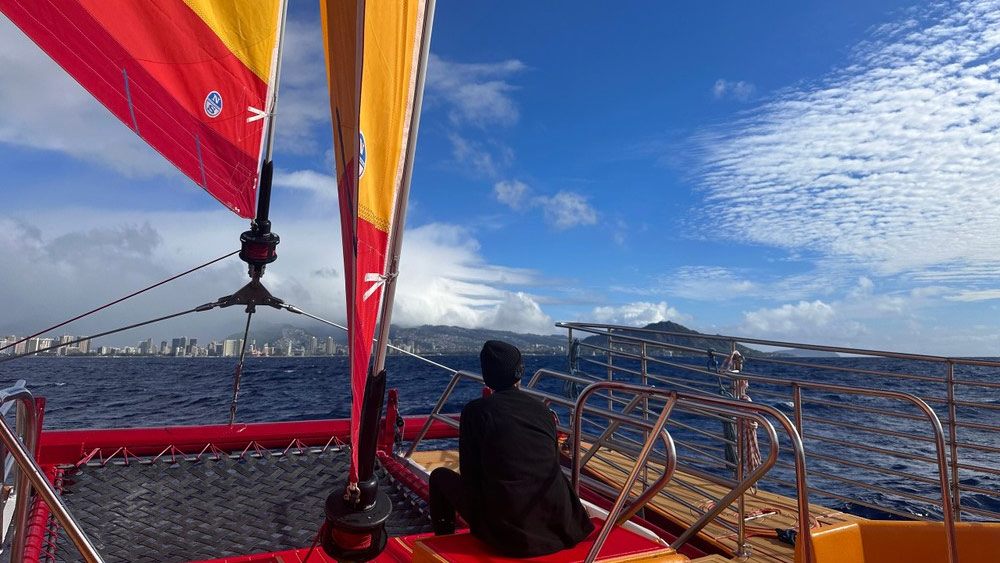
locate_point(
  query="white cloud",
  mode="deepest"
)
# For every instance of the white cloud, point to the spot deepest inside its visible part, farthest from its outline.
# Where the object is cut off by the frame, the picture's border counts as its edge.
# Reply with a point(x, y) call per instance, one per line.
point(888, 165)
point(511, 194)
point(444, 280)
point(567, 209)
point(303, 99)
point(788, 319)
point(983, 295)
point(323, 186)
point(477, 93)
point(738, 90)
point(483, 160)
point(864, 317)
point(44, 108)
point(65, 255)
point(639, 313)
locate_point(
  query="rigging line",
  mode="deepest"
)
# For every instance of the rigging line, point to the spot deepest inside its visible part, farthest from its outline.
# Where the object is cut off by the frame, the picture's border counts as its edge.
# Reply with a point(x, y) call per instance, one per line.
point(239, 372)
point(26, 338)
point(297, 311)
point(205, 307)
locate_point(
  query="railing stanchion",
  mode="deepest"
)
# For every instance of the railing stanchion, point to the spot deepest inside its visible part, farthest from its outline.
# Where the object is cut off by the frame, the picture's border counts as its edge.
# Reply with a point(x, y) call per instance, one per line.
point(956, 494)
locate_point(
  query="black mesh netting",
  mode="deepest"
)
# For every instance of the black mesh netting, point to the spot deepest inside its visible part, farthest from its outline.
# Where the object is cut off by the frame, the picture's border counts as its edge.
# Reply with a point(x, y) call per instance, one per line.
point(206, 509)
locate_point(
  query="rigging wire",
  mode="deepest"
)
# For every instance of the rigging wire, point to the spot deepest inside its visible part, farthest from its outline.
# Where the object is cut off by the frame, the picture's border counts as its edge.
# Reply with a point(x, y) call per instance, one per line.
point(297, 311)
point(115, 302)
point(199, 308)
point(239, 371)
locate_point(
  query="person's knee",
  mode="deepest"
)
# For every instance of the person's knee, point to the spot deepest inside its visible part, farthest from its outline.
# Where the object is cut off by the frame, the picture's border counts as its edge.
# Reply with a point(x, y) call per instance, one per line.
point(440, 476)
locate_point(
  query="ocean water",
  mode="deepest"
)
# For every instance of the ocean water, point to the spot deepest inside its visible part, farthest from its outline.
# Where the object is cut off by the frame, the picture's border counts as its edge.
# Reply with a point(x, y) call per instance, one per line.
point(130, 392)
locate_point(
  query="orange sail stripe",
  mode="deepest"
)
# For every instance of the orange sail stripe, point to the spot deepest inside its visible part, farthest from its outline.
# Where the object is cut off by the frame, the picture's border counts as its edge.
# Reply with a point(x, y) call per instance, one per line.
point(246, 28)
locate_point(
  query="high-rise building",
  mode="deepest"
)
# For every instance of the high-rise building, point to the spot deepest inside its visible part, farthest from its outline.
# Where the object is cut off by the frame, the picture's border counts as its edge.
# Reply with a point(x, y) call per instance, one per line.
point(329, 346)
point(313, 346)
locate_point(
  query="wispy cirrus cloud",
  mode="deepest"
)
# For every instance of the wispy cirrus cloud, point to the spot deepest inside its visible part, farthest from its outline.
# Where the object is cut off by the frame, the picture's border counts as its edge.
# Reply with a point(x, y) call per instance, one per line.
point(888, 164)
point(735, 89)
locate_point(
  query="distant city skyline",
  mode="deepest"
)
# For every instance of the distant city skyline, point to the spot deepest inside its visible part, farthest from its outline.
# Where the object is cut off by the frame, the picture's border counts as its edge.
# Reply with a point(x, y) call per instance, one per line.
point(12, 345)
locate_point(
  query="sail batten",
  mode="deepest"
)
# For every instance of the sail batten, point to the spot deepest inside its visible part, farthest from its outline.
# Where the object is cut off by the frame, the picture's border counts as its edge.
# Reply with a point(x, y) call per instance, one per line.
point(180, 73)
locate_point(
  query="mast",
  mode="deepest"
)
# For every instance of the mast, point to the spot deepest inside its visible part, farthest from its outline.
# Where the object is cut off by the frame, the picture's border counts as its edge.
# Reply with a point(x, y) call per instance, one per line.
point(259, 243)
point(399, 213)
point(267, 142)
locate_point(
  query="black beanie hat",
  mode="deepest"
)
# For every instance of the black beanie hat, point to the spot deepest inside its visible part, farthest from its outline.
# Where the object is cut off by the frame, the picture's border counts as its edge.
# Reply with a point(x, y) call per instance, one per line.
point(501, 364)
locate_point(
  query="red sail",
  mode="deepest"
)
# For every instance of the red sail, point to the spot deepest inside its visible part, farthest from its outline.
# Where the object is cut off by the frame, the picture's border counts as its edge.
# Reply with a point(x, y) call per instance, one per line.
point(185, 75)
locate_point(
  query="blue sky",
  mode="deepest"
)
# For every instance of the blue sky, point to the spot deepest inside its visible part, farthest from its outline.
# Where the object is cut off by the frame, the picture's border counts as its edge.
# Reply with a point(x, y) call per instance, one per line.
point(820, 174)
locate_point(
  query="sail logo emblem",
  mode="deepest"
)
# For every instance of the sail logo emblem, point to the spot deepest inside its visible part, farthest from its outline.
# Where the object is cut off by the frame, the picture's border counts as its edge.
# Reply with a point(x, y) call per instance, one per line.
point(362, 156)
point(213, 104)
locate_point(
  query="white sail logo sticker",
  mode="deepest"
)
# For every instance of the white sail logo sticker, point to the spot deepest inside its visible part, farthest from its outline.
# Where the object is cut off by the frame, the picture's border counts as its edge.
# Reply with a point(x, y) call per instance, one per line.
point(362, 156)
point(213, 104)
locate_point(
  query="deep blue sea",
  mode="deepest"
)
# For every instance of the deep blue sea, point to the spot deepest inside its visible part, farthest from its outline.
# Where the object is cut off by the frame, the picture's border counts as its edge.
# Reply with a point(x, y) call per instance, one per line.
point(130, 392)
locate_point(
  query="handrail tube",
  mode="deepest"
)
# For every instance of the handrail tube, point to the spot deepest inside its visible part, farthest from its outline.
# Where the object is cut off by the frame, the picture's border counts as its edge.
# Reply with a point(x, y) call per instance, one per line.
point(869, 410)
point(946, 500)
point(952, 437)
point(977, 426)
point(708, 402)
point(718, 461)
point(975, 383)
point(37, 477)
point(983, 512)
point(611, 429)
point(868, 467)
point(979, 468)
point(880, 489)
point(828, 494)
point(461, 374)
point(762, 342)
point(737, 492)
point(860, 428)
point(867, 448)
point(612, 519)
point(27, 422)
point(974, 489)
point(436, 410)
point(858, 371)
point(971, 404)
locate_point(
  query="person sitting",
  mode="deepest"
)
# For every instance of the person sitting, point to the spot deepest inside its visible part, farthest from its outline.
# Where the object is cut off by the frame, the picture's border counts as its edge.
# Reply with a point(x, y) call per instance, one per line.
point(511, 490)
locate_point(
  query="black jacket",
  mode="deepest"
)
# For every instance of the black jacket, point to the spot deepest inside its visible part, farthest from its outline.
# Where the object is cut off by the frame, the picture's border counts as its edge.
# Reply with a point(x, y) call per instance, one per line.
point(520, 502)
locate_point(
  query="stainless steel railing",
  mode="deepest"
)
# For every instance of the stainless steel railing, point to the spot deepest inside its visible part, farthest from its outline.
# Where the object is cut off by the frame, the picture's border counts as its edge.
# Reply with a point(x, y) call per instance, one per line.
point(880, 444)
point(638, 452)
point(653, 431)
point(21, 446)
point(865, 447)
